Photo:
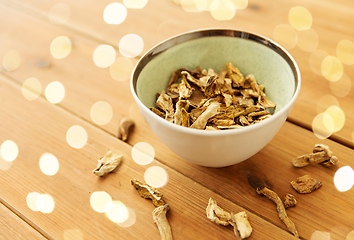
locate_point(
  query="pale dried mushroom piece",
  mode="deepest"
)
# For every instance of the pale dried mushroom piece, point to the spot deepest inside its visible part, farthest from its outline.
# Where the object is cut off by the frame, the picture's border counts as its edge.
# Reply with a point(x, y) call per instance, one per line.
point(320, 154)
point(216, 214)
point(271, 195)
point(160, 219)
point(239, 221)
point(289, 200)
point(243, 225)
point(164, 102)
point(107, 163)
point(306, 184)
point(125, 126)
point(202, 120)
point(147, 191)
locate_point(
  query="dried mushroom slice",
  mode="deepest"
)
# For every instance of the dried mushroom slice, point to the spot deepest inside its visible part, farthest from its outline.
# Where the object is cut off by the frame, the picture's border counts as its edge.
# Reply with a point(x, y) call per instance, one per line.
point(125, 125)
point(239, 221)
point(289, 200)
point(181, 114)
point(107, 163)
point(202, 120)
point(235, 75)
point(306, 184)
point(164, 102)
point(147, 191)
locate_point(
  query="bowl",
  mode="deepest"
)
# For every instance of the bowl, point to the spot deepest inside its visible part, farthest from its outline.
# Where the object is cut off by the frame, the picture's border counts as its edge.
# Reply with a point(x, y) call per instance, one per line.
point(252, 53)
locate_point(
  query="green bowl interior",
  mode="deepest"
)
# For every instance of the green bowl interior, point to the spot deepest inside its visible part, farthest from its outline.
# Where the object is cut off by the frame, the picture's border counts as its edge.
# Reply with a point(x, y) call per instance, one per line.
point(269, 67)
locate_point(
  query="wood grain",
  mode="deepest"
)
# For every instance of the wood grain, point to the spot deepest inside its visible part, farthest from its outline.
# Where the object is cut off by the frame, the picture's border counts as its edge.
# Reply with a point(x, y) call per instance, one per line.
point(74, 183)
point(39, 127)
point(12, 227)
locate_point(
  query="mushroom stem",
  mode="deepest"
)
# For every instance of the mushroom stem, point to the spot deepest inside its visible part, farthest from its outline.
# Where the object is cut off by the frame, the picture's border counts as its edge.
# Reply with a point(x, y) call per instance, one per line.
point(159, 216)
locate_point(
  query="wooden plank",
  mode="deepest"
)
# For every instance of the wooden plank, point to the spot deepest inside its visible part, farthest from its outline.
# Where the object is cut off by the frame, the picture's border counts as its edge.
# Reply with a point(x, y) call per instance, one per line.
point(211, 178)
point(331, 22)
point(12, 227)
point(39, 127)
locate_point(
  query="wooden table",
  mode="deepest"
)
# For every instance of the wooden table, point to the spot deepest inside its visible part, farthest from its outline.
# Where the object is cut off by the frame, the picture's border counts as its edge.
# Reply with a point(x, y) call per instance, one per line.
point(47, 187)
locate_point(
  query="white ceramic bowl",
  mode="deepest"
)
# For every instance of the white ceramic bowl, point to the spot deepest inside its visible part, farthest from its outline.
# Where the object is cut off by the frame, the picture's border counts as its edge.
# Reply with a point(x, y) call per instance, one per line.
point(271, 64)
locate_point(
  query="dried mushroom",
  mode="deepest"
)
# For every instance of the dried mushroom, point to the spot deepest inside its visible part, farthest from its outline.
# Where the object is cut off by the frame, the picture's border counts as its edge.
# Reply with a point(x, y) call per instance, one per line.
point(124, 128)
point(320, 154)
point(239, 221)
point(107, 163)
point(203, 99)
point(147, 191)
point(289, 201)
point(159, 217)
point(306, 184)
point(271, 195)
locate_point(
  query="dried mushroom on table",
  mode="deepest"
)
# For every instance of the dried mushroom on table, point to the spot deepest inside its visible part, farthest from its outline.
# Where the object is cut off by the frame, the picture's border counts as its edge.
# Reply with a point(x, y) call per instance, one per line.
point(320, 154)
point(107, 163)
point(306, 184)
point(242, 227)
point(203, 99)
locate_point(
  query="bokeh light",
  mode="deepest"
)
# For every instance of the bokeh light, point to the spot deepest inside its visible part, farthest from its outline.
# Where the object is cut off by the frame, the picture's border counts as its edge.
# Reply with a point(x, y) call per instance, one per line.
point(73, 234)
point(143, 153)
point(319, 235)
point(239, 4)
point(31, 200)
point(59, 13)
point(338, 117)
point(325, 102)
point(4, 165)
point(54, 92)
point(101, 201)
point(9, 150)
point(131, 45)
point(121, 69)
point(130, 220)
point(285, 35)
point(104, 56)
point(118, 213)
point(76, 136)
point(45, 203)
point(138, 4)
point(60, 47)
point(101, 112)
point(307, 40)
point(48, 164)
point(342, 87)
point(156, 176)
point(350, 236)
point(222, 10)
point(115, 13)
point(300, 18)
point(316, 59)
point(344, 178)
point(323, 126)
point(11, 60)
point(332, 68)
point(31, 89)
point(167, 29)
point(193, 5)
point(345, 52)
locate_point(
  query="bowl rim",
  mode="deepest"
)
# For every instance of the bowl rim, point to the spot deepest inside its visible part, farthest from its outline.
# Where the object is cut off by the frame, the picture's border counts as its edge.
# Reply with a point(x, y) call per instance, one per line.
point(209, 32)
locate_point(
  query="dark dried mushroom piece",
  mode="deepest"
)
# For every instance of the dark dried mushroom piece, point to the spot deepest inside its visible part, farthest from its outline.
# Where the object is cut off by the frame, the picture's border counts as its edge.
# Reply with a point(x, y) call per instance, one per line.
point(289, 201)
point(306, 184)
